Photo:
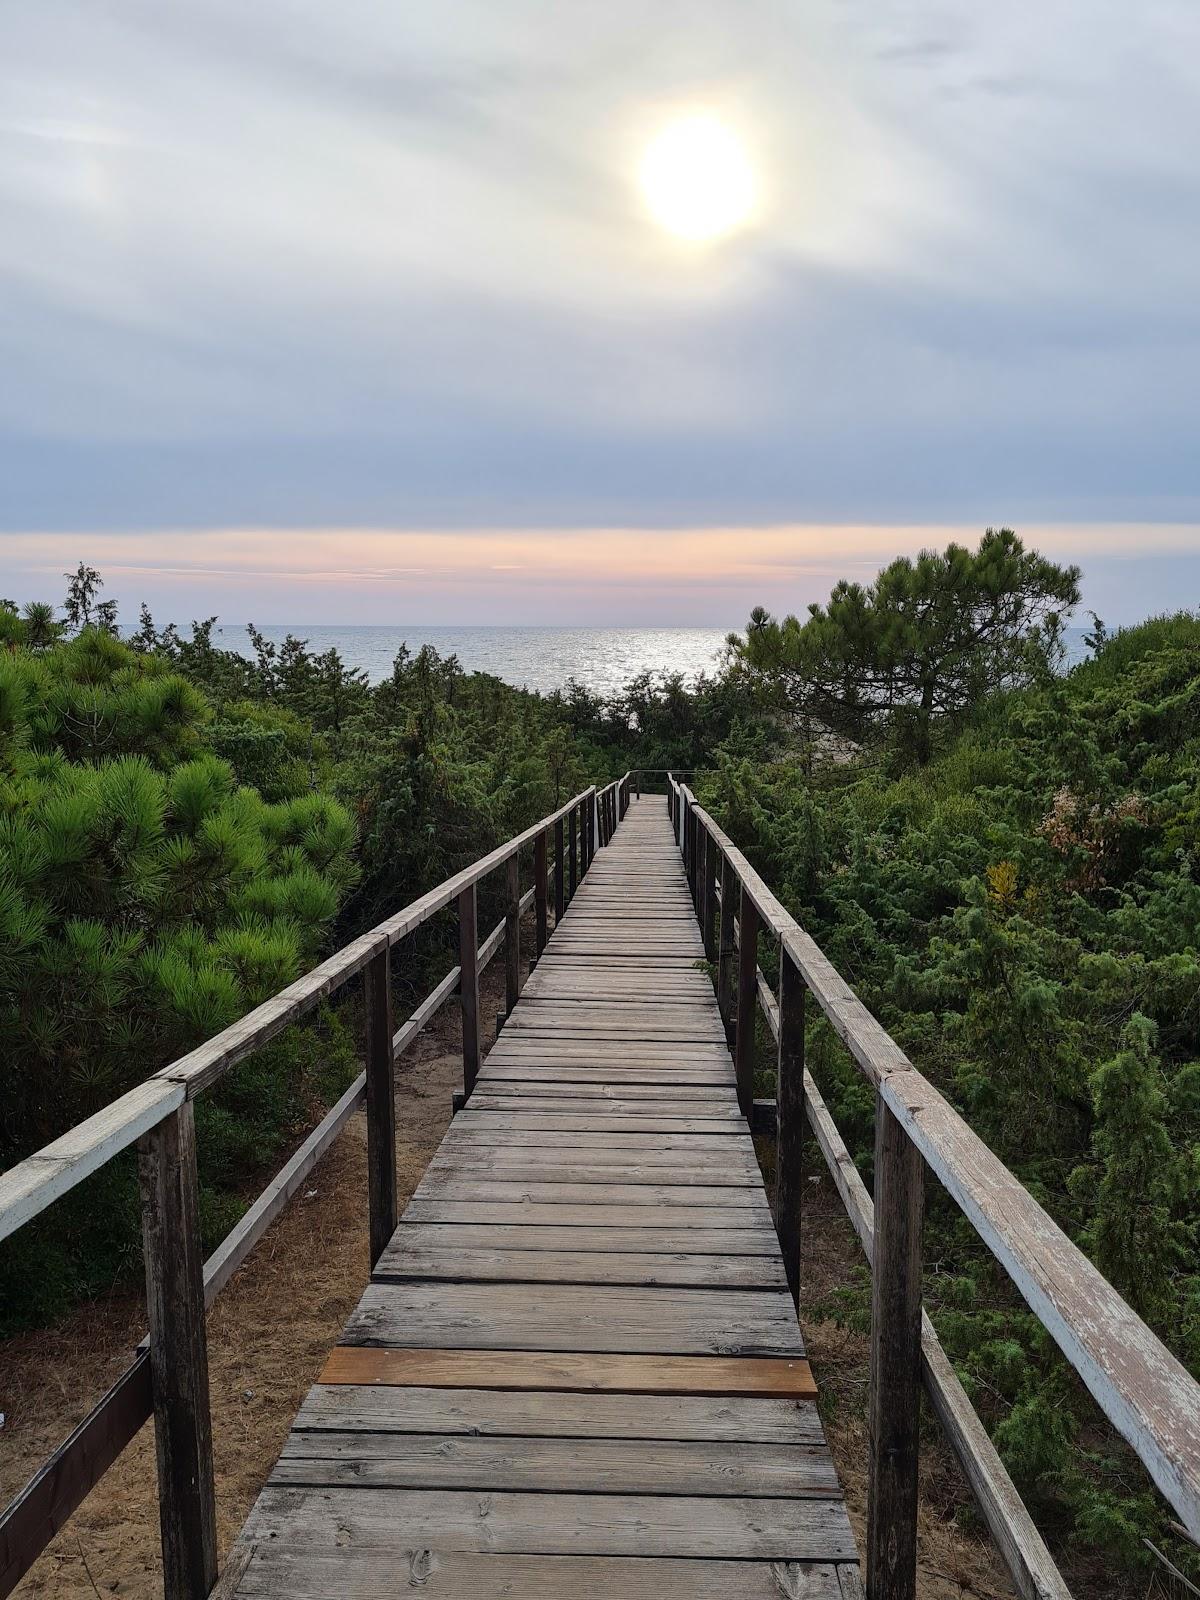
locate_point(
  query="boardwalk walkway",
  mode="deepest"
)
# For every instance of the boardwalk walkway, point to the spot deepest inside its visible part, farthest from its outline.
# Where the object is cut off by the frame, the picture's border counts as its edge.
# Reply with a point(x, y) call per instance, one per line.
point(577, 1370)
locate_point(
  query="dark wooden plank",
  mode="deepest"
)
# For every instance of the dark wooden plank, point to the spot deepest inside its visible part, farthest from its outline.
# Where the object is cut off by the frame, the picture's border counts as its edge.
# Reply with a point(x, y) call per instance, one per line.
point(382, 1193)
point(534, 1214)
point(894, 1412)
point(179, 1355)
point(43, 1507)
point(789, 1133)
point(595, 1372)
point(468, 962)
point(590, 1466)
point(451, 1185)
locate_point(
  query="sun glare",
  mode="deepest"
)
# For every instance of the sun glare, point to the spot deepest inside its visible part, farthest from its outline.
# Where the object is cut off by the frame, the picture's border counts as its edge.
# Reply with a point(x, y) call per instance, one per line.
point(696, 179)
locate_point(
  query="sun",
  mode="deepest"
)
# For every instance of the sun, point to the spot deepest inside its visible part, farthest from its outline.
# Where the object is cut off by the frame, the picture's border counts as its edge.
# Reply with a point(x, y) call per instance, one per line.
point(696, 179)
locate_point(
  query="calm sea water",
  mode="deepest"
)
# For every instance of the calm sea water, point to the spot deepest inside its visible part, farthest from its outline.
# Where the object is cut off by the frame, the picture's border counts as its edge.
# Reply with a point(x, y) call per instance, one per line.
point(603, 659)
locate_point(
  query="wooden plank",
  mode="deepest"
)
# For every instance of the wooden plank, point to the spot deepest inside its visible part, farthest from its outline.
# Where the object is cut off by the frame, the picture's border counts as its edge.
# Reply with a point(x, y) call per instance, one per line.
point(365, 1573)
point(503, 1523)
point(747, 995)
point(596, 1372)
point(590, 1466)
point(512, 934)
point(603, 1122)
point(559, 1413)
point(680, 1269)
point(450, 1176)
point(485, 1133)
point(533, 1214)
point(179, 1355)
point(447, 1184)
point(33, 1184)
point(789, 1136)
point(754, 1239)
point(468, 985)
point(578, 1317)
point(894, 1412)
point(382, 1193)
point(47, 1501)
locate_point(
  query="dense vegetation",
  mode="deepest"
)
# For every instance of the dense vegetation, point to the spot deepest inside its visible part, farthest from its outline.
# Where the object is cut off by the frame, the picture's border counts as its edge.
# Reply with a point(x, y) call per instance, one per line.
point(1005, 865)
point(183, 829)
point(1015, 891)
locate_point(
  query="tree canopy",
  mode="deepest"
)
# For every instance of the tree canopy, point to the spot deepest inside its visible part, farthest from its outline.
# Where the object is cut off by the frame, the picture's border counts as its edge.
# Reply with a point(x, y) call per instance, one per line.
point(927, 640)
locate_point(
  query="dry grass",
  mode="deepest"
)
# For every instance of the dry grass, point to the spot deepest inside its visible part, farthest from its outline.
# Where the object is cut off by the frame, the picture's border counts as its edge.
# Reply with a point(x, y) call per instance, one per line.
point(268, 1335)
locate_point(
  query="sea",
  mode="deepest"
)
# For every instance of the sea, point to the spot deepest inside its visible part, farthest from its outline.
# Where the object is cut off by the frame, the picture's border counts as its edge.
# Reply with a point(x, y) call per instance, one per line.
point(538, 658)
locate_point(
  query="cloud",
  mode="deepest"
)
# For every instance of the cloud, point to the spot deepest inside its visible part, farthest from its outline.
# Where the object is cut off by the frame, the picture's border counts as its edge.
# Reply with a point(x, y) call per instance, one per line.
point(291, 264)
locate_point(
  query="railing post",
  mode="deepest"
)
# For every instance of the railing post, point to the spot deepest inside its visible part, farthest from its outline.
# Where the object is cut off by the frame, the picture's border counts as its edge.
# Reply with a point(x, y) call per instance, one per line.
point(573, 859)
point(560, 876)
point(541, 894)
point(179, 1355)
point(725, 959)
point(637, 778)
point(789, 1118)
point(382, 1201)
point(468, 984)
point(747, 1001)
point(708, 921)
point(512, 935)
point(591, 828)
point(895, 1401)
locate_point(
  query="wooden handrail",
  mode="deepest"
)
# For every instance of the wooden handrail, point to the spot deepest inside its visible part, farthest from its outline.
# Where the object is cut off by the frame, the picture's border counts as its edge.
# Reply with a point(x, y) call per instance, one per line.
point(1144, 1391)
point(169, 1372)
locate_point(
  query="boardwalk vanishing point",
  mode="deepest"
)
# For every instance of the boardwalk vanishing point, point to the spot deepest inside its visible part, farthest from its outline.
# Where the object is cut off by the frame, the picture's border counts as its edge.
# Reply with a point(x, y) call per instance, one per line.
point(577, 1370)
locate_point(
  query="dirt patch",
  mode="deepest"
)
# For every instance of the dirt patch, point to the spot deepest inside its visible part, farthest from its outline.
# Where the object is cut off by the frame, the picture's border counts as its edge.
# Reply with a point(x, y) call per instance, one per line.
point(268, 1335)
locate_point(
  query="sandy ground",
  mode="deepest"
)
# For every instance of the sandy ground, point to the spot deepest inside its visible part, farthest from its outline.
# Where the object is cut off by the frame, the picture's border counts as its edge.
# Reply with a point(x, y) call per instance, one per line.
point(270, 1330)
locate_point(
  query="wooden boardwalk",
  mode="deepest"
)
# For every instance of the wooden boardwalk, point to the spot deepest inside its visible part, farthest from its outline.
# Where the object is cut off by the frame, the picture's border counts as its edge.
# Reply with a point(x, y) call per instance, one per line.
point(577, 1369)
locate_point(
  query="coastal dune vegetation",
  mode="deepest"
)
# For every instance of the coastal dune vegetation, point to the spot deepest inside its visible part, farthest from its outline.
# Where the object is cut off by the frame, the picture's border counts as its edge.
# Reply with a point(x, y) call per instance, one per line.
point(1000, 853)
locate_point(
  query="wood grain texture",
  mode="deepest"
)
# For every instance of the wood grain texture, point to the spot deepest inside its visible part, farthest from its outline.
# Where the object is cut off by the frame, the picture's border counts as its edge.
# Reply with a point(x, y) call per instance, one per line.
point(594, 1372)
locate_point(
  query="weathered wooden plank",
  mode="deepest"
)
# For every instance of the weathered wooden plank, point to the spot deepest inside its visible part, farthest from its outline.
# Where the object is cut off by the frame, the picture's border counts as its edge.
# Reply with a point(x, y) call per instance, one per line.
point(370, 1574)
point(439, 1184)
point(894, 1411)
point(534, 1214)
point(594, 1372)
point(619, 1319)
point(510, 1523)
point(590, 1466)
point(456, 1175)
point(382, 1193)
point(31, 1185)
point(559, 1413)
point(756, 1238)
point(598, 1121)
point(179, 1355)
point(680, 1269)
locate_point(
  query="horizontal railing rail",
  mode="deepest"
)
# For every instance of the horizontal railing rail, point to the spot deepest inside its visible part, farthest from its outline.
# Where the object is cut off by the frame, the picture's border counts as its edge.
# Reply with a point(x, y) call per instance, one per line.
point(1144, 1391)
point(168, 1376)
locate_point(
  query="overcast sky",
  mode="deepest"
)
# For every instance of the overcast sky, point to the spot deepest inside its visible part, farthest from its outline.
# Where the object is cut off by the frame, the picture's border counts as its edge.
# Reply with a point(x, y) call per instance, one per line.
point(382, 273)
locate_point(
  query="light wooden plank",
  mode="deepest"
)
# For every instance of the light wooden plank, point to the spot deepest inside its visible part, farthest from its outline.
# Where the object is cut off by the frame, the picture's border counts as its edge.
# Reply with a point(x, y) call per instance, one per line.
point(679, 1269)
point(756, 1238)
point(577, 1317)
point(368, 1573)
point(559, 1413)
point(501, 1523)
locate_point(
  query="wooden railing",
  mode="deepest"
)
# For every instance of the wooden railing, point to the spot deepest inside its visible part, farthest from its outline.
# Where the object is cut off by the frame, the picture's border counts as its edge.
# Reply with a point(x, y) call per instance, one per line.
point(169, 1374)
point(1147, 1394)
